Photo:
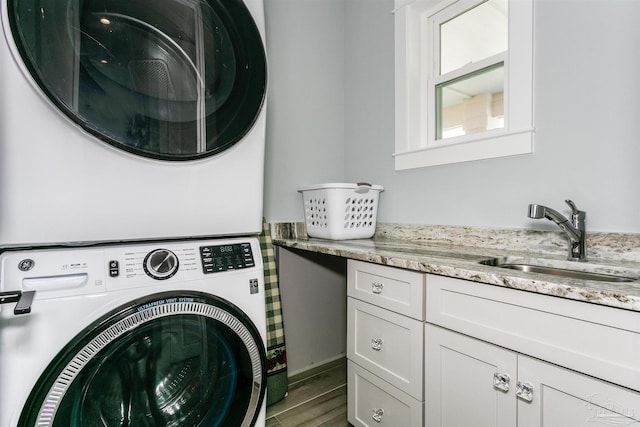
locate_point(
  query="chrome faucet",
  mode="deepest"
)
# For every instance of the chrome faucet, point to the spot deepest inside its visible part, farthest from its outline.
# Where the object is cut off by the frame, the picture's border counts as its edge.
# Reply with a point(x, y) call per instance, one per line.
point(575, 230)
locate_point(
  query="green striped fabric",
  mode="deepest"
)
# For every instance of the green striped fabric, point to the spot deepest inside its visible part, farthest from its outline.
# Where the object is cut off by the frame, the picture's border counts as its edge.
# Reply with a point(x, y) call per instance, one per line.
point(277, 382)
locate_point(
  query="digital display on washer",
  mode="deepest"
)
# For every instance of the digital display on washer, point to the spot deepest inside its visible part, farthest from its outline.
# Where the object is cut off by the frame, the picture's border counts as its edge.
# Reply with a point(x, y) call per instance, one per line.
point(226, 257)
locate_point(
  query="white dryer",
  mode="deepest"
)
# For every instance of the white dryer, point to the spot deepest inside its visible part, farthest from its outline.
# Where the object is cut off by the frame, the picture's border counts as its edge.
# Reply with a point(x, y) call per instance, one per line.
point(169, 334)
point(125, 120)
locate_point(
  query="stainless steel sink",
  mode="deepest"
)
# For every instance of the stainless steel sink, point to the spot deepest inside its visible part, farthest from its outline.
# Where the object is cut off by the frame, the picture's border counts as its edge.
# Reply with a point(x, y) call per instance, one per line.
point(537, 267)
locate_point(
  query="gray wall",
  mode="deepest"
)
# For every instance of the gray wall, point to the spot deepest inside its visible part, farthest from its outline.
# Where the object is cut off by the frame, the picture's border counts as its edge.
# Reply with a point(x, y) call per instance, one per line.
point(313, 290)
point(305, 106)
point(331, 118)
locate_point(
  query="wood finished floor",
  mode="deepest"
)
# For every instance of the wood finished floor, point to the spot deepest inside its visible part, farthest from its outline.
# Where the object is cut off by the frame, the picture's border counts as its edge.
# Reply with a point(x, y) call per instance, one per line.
point(316, 398)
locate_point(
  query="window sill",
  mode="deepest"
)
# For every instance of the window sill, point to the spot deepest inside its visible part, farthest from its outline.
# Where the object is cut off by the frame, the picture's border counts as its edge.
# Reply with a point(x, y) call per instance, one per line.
point(511, 144)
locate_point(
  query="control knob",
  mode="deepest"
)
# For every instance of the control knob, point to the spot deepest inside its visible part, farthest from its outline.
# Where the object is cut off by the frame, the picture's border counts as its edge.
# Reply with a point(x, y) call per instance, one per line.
point(160, 264)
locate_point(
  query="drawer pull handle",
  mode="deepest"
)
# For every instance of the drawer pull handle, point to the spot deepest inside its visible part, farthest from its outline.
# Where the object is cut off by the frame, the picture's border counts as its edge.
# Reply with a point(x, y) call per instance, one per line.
point(501, 381)
point(377, 414)
point(524, 391)
point(376, 343)
point(376, 287)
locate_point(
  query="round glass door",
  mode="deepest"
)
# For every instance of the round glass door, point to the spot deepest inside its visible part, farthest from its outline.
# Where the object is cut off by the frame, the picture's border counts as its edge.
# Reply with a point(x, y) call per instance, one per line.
point(171, 79)
point(176, 360)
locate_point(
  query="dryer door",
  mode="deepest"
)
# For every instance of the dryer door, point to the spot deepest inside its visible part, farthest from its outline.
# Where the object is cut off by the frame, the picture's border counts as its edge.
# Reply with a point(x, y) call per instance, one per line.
point(174, 359)
point(171, 79)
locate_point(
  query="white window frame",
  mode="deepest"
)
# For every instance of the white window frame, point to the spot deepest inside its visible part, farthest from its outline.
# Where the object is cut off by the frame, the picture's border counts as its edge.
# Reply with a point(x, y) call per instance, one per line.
point(416, 41)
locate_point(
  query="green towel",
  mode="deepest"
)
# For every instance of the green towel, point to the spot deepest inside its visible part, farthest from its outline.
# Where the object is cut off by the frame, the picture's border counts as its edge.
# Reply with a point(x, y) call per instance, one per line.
point(277, 382)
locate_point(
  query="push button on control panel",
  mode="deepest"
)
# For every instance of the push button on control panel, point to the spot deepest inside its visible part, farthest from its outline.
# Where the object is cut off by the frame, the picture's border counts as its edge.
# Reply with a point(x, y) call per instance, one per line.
point(114, 268)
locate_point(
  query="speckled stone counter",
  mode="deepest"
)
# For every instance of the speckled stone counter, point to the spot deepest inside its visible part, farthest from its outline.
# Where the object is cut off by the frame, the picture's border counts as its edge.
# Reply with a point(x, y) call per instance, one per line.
point(457, 252)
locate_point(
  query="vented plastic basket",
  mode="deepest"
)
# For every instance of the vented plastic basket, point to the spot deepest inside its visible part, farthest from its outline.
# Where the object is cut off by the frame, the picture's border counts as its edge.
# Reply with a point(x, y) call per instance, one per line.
point(341, 211)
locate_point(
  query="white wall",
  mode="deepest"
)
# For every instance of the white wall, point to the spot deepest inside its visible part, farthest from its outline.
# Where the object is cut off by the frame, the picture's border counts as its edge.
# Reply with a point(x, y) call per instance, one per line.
point(587, 106)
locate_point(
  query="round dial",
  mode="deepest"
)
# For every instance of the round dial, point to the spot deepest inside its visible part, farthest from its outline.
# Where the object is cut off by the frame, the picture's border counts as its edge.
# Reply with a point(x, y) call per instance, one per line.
point(160, 264)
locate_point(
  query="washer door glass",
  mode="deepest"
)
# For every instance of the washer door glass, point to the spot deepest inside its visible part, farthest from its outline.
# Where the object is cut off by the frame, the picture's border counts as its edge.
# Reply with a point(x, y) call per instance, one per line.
point(175, 359)
point(171, 79)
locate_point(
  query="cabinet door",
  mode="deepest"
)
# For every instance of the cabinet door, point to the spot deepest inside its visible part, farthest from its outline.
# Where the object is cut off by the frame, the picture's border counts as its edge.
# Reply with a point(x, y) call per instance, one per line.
point(562, 397)
point(459, 381)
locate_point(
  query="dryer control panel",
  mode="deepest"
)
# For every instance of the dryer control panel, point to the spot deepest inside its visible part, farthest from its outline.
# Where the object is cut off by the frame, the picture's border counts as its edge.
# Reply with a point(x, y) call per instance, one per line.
point(226, 257)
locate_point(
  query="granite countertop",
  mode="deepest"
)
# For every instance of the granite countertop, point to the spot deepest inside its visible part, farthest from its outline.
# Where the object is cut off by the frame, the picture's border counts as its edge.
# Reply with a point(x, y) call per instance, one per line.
point(457, 252)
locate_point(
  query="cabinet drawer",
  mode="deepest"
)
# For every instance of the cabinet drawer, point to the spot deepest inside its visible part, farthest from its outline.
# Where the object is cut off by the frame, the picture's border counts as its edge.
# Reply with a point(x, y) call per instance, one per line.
point(395, 289)
point(600, 341)
point(373, 402)
point(387, 344)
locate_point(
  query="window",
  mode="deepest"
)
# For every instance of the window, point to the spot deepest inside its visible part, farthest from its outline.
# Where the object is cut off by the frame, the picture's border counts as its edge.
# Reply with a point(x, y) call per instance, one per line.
point(464, 80)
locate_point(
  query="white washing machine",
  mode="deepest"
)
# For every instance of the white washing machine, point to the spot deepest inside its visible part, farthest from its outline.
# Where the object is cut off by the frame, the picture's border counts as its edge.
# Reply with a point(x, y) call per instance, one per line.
point(126, 120)
point(168, 334)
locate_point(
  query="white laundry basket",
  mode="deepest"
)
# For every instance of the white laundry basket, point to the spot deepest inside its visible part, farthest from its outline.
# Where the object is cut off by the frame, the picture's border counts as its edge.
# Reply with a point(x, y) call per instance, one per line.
point(341, 211)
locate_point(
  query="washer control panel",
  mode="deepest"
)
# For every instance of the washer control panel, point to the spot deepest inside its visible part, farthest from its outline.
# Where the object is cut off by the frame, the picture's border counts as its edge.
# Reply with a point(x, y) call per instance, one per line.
point(226, 257)
point(65, 272)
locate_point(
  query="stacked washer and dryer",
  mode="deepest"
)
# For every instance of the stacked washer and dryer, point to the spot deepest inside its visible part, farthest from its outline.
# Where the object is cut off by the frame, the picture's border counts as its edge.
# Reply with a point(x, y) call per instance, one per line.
point(131, 185)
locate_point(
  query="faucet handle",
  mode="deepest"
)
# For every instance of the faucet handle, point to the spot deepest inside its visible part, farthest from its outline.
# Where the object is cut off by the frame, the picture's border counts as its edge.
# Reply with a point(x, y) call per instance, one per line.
point(573, 207)
point(577, 216)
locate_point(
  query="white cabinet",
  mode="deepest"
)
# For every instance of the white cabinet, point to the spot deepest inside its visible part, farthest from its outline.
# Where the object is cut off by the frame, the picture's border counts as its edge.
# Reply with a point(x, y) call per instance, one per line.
point(472, 382)
point(459, 374)
point(385, 332)
point(495, 381)
point(395, 289)
point(373, 401)
point(443, 352)
point(600, 341)
point(387, 344)
point(562, 397)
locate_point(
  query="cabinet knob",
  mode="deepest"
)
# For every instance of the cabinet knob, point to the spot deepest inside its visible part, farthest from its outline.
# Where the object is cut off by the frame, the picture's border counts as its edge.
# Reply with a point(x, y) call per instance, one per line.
point(376, 343)
point(376, 287)
point(524, 391)
point(501, 381)
point(377, 414)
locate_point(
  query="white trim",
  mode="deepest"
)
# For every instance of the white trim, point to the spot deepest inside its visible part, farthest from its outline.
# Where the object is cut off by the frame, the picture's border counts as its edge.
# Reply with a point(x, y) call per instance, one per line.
point(470, 68)
point(416, 77)
point(487, 147)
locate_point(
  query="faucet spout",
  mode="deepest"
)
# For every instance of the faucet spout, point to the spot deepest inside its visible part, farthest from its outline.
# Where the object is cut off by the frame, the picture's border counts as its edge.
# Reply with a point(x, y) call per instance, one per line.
point(539, 211)
point(574, 229)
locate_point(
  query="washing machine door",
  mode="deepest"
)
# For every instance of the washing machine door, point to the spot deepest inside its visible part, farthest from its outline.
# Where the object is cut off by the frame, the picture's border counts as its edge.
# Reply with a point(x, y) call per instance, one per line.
point(171, 79)
point(173, 359)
